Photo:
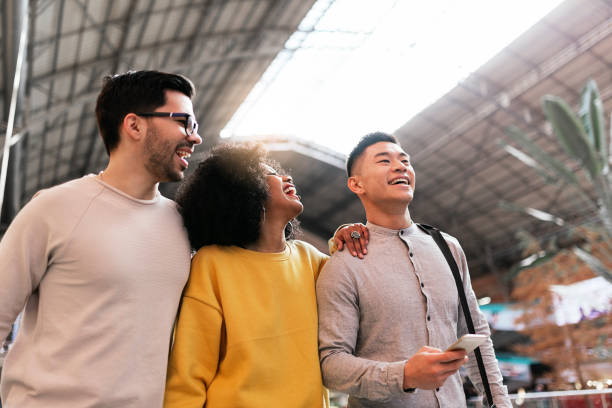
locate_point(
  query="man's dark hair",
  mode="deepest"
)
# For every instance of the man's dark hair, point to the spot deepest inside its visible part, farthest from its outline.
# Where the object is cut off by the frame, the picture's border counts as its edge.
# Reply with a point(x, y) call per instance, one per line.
point(134, 91)
point(223, 201)
point(365, 142)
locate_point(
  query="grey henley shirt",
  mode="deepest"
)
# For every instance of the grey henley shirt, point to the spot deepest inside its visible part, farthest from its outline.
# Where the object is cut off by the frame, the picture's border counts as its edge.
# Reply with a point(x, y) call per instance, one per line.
point(376, 312)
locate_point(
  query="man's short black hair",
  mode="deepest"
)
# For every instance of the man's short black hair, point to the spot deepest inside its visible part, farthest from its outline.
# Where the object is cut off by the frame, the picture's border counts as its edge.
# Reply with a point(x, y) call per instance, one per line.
point(365, 142)
point(131, 92)
point(223, 201)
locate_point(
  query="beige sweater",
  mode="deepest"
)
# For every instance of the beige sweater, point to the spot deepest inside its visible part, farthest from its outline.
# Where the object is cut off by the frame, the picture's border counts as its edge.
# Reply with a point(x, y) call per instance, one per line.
point(100, 274)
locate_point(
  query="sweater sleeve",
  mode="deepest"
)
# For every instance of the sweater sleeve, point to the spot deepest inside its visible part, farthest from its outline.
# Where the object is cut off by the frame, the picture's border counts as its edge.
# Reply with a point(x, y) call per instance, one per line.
point(25, 252)
point(498, 390)
point(338, 307)
point(195, 355)
point(320, 261)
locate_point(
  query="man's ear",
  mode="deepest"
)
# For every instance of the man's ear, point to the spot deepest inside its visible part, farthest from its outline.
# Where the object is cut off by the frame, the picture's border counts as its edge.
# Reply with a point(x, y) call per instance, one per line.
point(354, 184)
point(134, 126)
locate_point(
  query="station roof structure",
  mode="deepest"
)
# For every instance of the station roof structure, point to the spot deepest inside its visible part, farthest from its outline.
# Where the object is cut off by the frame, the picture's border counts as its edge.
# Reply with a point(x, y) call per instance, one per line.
point(224, 46)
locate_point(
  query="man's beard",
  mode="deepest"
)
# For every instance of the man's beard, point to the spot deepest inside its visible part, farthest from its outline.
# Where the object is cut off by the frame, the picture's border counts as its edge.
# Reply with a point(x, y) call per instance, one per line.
point(160, 160)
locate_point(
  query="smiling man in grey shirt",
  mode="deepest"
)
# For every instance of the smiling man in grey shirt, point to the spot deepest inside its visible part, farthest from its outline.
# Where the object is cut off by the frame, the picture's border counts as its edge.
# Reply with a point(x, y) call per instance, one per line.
point(385, 319)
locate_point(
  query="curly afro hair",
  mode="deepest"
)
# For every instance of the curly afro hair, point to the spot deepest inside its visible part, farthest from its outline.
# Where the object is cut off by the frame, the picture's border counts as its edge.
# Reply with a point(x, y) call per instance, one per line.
point(223, 201)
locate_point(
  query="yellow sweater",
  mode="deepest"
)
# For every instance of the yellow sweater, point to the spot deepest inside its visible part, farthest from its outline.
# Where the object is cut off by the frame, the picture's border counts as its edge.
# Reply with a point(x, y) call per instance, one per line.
point(247, 331)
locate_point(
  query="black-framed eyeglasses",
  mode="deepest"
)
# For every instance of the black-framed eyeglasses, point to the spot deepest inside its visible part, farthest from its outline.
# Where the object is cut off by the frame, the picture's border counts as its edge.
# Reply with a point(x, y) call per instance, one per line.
point(191, 126)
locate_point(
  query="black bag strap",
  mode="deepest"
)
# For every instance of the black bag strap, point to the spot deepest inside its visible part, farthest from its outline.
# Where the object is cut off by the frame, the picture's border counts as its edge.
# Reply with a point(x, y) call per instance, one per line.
point(439, 239)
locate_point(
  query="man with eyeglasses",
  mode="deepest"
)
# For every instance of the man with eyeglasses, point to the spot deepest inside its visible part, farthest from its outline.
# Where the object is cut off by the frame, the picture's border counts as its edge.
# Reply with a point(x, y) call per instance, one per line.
point(100, 262)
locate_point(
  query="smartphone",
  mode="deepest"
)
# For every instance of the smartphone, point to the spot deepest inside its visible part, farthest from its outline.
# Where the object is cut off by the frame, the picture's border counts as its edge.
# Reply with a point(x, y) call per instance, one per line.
point(468, 342)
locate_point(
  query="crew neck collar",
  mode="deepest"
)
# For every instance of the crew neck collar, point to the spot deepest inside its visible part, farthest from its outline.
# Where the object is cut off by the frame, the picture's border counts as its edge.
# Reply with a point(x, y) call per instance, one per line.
point(266, 256)
point(154, 200)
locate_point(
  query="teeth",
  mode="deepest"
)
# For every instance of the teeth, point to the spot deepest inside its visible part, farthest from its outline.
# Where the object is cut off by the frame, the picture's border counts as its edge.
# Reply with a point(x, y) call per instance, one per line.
point(398, 181)
point(183, 155)
point(289, 190)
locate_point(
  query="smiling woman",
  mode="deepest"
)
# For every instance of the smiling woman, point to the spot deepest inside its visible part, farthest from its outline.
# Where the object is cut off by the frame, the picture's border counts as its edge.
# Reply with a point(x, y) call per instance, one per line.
point(247, 330)
point(223, 203)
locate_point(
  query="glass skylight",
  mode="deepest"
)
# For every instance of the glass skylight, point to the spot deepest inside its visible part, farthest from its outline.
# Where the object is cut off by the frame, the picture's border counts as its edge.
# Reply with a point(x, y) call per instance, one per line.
point(357, 66)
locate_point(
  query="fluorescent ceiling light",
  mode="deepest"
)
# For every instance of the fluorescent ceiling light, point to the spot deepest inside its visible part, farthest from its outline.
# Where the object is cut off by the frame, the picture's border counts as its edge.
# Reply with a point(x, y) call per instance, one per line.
point(356, 66)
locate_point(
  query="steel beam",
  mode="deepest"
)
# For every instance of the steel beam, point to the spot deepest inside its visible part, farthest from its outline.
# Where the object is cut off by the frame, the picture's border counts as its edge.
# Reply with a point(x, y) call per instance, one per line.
point(58, 34)
point(189, 49)
point(102, 27)
point(14, 38)
point(127, 24)
point(143, 28)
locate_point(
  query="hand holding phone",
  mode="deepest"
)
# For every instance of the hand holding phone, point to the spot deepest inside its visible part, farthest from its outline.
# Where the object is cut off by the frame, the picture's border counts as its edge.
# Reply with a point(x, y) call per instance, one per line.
point(468, 342)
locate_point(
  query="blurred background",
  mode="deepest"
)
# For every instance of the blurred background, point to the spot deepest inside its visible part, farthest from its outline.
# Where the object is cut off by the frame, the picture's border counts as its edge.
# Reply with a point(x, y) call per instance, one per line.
point(504, 106)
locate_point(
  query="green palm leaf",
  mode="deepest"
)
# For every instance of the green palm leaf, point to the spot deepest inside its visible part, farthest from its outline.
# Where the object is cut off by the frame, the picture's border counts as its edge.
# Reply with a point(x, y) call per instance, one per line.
point(592, 117)
point(571, 134)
